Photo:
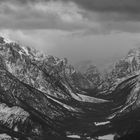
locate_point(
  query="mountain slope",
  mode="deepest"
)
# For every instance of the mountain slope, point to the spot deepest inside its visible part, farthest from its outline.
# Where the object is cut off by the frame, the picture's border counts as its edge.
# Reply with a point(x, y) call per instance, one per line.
point(39, 99)
point(41, 86)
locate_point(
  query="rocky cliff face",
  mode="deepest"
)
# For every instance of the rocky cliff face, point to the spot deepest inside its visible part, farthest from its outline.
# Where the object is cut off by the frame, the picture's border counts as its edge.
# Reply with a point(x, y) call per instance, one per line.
point(88, 78)
point(123, 68)
point(128, 65)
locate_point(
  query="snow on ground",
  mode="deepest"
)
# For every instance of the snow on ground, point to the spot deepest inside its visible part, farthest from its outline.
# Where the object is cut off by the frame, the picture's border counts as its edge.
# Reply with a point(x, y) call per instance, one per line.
point(25, 50)
point(74, 136)
point(107, 137)
point(86, 98)
point(101, 123)
point(4, 137)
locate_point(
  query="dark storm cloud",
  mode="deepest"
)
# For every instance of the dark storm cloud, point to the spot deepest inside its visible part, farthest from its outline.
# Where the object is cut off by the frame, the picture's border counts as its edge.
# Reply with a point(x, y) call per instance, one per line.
point(28, 14)
point(110, 15)
point(126, 6)
point(126, 9)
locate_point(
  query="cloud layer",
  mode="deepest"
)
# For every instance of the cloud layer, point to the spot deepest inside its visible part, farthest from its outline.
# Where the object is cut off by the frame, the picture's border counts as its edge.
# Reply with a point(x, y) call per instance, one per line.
point(128, 6)
point(82, 16)
point(125, 6)
point(40, 15)
point(100, 30)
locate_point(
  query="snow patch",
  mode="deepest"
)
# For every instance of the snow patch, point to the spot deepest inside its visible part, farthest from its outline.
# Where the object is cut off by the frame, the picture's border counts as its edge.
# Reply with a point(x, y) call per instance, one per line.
point(91, 99)
point(4, 137)
point(64, 105)
point(25, 50)
point(101, 123)
point(74, 136)
point(107, 137)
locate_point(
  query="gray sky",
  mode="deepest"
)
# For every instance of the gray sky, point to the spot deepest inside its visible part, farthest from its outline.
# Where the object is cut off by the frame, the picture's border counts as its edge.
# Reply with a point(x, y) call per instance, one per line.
point(98, 30)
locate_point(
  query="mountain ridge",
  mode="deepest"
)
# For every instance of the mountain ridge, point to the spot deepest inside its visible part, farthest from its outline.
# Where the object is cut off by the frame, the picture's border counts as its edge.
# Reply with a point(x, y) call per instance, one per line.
point(42, 97)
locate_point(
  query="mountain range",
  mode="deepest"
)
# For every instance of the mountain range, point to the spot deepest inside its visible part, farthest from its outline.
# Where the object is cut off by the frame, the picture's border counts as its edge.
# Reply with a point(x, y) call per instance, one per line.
point(42, 97)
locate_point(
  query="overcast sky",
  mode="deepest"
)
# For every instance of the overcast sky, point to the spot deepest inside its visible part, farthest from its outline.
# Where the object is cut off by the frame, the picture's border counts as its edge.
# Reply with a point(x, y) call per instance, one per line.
point(98, 30)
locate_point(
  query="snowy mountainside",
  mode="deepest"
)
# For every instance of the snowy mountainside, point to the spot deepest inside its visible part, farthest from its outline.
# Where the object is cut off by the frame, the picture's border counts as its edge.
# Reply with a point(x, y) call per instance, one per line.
point(41, 97)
